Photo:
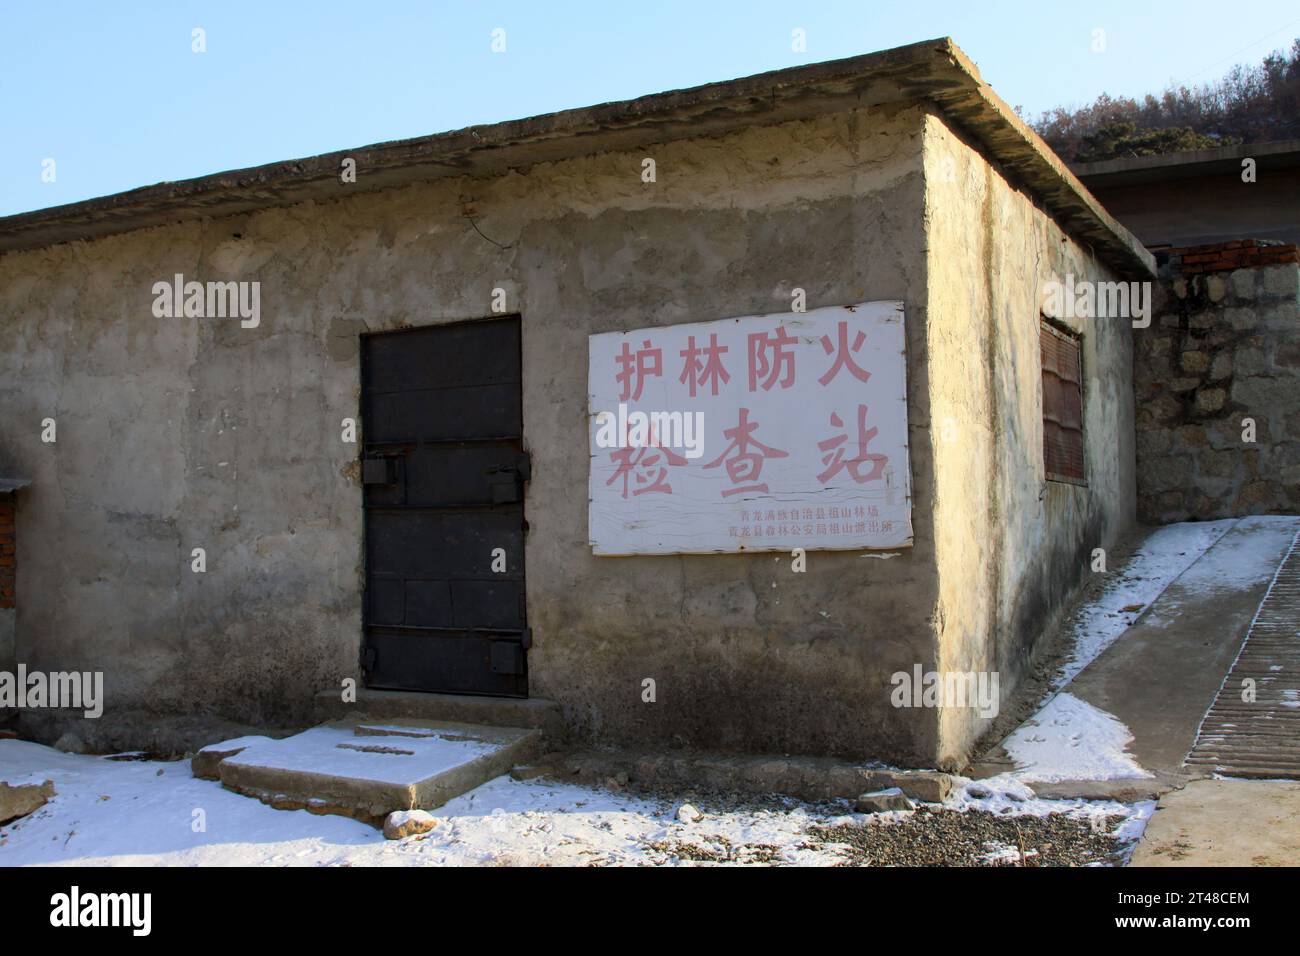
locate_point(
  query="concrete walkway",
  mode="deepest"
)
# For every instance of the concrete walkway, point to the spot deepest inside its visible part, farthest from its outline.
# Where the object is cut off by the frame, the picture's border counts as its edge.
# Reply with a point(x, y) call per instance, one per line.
point(1125, 726)
point(1128, 720)
point(1224, 823)
point(1160, 678)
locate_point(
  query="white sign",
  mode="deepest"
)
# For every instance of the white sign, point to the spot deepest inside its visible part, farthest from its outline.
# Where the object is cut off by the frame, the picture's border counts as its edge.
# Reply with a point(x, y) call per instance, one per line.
point(762, 433)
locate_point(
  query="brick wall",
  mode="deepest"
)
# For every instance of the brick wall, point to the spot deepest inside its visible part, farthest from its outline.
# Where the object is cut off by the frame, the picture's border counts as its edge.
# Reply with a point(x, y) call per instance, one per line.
point(8, 551)
point(1228, 256)
point(1223, 348)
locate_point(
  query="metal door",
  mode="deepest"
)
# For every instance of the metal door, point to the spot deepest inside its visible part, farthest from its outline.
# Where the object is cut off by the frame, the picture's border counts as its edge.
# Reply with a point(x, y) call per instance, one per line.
point(444, 470)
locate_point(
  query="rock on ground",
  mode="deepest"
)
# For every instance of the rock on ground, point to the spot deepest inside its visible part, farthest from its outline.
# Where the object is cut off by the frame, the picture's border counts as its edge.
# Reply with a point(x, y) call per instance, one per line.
point(882, 801)
point(404, 823)
point(22, 799)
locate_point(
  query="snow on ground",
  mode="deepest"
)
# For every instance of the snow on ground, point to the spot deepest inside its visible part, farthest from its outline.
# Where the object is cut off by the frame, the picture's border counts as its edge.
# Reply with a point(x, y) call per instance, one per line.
point(134, 813)
point(141, 812)
point(1163, 556)
point(1069, 739)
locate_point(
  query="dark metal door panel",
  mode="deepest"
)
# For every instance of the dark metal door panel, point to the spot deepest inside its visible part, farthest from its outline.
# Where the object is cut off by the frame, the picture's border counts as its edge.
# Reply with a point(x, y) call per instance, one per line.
point(447, 474)
point(444, 477)
point(436, 414)
point(452, 664)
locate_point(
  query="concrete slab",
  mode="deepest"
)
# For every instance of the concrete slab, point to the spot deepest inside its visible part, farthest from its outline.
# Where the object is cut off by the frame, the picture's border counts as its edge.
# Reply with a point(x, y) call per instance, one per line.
point(1120, 789)
point(1161, 676)
point(1224, 823)
point(367, 770)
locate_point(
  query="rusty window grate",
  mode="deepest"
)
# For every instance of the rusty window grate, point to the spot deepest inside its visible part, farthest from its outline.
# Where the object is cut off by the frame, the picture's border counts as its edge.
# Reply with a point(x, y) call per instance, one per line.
point(1062, 364)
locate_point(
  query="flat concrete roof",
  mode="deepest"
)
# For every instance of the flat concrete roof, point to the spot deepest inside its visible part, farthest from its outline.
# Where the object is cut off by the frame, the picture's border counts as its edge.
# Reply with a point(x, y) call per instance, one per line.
point(1187, 164)
point(933, 70)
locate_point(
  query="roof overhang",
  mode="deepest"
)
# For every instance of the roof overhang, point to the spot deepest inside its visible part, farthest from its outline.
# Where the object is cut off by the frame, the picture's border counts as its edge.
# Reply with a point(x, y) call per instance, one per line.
point(934, 70)
point(1132, 170)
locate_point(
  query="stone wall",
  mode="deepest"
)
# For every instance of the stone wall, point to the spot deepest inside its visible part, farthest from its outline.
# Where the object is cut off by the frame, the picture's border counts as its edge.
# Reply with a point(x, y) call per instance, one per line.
point(1222, 353)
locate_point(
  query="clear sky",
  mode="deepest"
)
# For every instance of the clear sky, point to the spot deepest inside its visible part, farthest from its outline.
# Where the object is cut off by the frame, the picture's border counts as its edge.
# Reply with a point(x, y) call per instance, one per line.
point(115, 95)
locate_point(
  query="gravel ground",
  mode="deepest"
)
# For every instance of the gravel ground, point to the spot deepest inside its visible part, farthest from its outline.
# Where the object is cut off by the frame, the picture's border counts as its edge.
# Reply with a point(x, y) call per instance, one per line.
point(929, 836)
point(937, 837)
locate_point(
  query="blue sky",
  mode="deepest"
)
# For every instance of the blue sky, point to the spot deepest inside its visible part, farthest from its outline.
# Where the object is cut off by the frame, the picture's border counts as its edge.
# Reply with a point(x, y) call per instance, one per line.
point(113, 93)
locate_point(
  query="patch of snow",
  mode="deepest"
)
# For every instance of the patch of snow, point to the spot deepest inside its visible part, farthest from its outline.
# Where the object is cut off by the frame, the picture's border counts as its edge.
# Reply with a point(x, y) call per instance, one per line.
point(1069, 739)
point(1162, 557)
point(1243, 559)
point(336, 750)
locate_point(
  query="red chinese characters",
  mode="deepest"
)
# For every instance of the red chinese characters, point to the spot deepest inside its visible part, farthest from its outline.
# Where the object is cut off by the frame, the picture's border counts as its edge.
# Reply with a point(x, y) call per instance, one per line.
point(769, 357)
point(864, 466)
point(635, 367)
point(843, 356)
point(744, 457)
point(710, 371)
point(642, 470)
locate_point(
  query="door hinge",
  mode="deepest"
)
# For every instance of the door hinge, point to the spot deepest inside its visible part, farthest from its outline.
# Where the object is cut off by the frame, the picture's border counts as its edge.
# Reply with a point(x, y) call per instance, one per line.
point(368, 659)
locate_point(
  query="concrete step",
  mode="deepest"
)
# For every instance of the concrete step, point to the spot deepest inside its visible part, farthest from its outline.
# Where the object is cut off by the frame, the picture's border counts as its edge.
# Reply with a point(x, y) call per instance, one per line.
point(533, 713)
point(368, 768)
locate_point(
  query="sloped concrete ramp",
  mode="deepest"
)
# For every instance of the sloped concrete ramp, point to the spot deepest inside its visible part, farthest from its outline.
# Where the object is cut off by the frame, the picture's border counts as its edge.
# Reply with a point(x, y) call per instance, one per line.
point(1253, 726)
point(367, 770)
point(1159, 678)
point(1126, 724)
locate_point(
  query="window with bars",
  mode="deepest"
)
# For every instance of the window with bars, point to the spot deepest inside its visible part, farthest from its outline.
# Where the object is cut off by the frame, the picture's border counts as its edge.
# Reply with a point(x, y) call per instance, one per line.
point(1062, 362)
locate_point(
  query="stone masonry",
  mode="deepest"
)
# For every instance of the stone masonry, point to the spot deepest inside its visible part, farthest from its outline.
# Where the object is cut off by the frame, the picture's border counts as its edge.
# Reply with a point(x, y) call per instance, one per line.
point(1222, 353)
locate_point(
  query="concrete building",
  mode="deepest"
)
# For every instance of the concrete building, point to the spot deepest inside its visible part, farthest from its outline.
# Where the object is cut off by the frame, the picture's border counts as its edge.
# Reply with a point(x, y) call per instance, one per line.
point(1217, 374)
point(202, 530)
point(1204, 196)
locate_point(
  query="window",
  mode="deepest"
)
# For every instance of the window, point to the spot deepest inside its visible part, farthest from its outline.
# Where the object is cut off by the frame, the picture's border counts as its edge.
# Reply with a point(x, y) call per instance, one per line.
point(1062, 361)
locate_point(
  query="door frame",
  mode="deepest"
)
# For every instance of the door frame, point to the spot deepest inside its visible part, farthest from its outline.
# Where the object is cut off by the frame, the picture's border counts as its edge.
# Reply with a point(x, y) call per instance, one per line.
point(360, 462)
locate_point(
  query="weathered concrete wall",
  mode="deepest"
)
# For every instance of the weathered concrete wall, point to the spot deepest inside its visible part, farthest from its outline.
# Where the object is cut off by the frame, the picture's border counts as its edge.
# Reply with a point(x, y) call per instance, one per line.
point(175, 434)
point(1010, 546)
point(8, 647)
point(8, 560)
point(1223, 347)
